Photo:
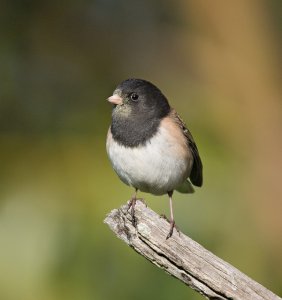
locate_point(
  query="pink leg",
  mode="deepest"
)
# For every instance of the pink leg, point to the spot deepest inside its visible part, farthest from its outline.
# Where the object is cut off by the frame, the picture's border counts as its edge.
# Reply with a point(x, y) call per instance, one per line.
point(172, 222)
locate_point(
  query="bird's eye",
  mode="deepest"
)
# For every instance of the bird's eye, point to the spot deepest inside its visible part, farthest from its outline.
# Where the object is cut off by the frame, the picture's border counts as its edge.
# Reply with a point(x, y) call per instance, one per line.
point(134, 97)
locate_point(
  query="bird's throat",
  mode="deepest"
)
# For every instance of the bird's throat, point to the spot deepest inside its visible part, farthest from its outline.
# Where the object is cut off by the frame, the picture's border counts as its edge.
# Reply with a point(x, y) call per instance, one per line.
point(133, 130)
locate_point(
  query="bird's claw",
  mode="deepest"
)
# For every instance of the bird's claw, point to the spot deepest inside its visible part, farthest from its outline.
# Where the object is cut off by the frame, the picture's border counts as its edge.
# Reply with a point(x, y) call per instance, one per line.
point(172, 226)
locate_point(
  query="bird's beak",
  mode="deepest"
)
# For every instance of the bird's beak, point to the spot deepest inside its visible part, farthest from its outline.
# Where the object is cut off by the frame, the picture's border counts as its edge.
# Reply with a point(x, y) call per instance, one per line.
point(115, 99)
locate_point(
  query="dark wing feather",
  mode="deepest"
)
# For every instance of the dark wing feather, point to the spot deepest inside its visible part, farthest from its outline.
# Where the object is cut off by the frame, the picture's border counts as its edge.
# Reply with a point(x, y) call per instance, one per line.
point(196, 175)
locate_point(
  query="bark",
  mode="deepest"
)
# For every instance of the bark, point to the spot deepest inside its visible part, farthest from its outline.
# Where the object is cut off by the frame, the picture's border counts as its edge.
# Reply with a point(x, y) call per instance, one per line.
point(182, 257)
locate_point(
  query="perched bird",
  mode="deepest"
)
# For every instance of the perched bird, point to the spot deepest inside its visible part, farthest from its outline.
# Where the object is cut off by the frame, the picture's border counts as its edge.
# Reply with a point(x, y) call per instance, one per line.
point(148, 144)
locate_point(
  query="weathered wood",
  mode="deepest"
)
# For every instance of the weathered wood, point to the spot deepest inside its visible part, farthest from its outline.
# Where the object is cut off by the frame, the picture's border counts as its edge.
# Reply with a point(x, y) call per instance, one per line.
point(182, 257)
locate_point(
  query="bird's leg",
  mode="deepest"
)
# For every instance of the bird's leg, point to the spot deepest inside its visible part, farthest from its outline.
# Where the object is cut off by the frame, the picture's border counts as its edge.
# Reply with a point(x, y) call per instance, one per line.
point(131, 205)
point(172, 222)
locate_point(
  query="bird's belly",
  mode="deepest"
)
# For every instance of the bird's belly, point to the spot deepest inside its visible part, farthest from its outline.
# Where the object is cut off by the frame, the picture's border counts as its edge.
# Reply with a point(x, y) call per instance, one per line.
point(157, 167)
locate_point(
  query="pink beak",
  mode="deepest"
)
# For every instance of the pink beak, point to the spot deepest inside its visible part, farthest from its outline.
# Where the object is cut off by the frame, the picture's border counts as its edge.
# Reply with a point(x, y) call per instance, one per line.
point(115, 99)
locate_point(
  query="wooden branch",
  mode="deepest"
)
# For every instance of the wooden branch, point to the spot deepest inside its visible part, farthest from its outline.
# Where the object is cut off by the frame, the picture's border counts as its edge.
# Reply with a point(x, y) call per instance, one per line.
point(182, 257)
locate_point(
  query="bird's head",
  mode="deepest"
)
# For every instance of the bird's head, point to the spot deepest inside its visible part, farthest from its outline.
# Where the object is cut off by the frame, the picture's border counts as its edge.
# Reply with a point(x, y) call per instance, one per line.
point(138, 98)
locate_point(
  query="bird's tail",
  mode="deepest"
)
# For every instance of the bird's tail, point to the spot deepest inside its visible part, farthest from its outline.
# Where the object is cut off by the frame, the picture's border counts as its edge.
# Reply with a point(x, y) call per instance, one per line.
point(186, 187)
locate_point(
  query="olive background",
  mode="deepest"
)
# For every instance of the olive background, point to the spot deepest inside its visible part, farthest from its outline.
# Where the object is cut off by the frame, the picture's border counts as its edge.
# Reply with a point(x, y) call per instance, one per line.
point(218, 64)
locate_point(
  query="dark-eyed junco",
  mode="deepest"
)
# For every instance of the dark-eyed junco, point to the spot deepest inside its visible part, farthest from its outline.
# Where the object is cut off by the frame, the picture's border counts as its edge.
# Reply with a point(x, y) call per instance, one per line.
point(149, 145)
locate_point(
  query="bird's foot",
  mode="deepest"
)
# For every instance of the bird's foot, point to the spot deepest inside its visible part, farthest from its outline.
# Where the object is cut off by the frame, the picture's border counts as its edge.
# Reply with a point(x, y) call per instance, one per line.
point(131, 204)
point(172, 226)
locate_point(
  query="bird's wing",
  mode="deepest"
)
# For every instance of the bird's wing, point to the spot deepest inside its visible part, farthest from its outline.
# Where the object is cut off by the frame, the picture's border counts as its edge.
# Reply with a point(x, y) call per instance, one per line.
point(196, 175)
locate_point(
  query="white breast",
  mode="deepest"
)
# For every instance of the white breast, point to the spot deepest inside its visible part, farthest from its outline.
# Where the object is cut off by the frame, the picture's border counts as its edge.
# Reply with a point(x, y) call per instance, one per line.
point(160, 166)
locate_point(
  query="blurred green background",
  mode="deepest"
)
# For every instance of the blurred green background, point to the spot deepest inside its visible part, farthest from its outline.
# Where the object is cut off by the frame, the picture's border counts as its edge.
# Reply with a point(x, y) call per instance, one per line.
point(218, 64)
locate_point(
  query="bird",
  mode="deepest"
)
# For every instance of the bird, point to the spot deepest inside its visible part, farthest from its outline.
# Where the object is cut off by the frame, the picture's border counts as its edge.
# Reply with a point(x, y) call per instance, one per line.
point(149, 146)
